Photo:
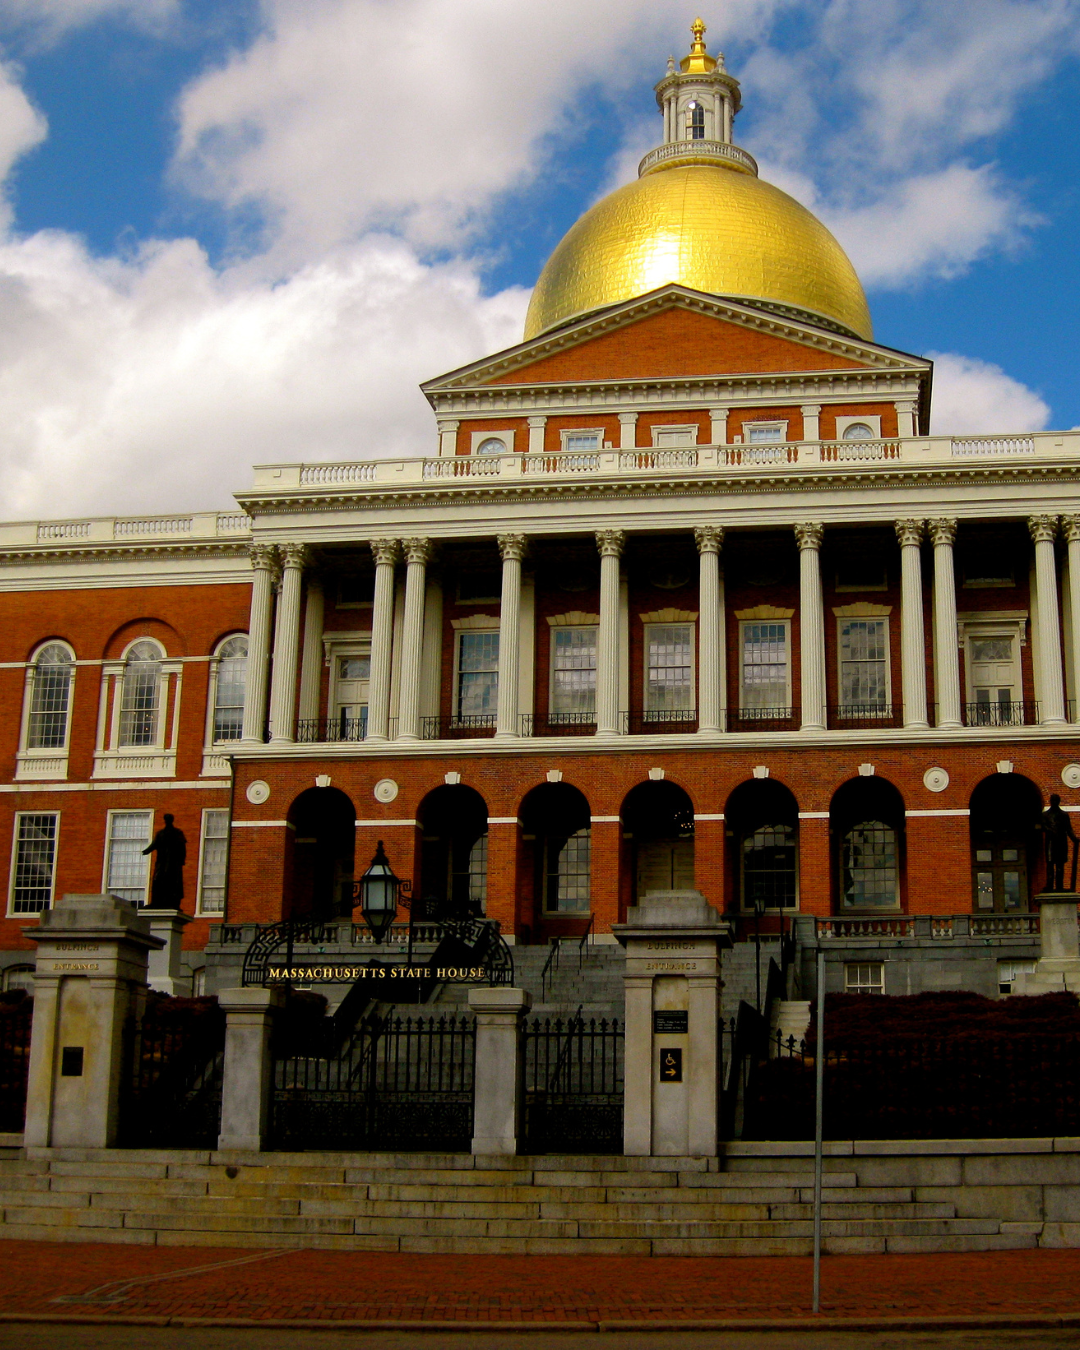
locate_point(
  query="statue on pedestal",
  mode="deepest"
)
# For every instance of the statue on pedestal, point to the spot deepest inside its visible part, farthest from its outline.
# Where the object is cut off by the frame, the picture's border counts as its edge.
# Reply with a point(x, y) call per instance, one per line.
point(167, 886)
point(1057, 833)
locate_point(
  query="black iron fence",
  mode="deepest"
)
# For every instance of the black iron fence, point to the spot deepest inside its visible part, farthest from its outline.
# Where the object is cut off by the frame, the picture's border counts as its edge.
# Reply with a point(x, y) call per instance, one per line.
point(762, 719)
point(173, 1068)
point(659, 720)
point(396, 1083)
point(457, 728)
point(573, 1086)
point(16, 1018)
point(557, 724)
point(1017, 714)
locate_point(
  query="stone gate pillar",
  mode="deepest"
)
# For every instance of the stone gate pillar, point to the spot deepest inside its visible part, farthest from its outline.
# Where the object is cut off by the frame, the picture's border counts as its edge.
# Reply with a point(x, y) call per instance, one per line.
point(91, 968)
point(671, 1104)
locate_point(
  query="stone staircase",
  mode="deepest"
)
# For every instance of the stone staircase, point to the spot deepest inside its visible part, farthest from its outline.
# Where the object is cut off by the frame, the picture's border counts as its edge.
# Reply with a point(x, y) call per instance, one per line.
point(757, 1200)
point(589, 978)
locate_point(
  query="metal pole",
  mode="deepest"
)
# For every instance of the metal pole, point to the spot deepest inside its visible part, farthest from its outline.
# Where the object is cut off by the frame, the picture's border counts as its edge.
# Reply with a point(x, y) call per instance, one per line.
point(757, 954)
point(819, 1076)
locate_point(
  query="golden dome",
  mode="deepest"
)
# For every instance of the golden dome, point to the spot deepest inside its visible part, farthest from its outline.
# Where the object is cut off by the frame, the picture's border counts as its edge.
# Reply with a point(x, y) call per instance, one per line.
point(709, 228)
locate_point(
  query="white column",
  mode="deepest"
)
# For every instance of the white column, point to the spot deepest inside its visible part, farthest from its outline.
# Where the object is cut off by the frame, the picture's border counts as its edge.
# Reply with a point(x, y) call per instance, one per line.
point(536, 435)
point(905, 419)
point(611, 544)
point(385, 552)
point(263, 561)
point(627, 431)
point(1071, 528)
point(311, 662)
point(1051, 691)
point(912, 638)
point(811, 421)
point(417, 555)
point(811, 626)
point(718, 417)
point(448, 430)
point(287, 644)
point(947, 663)
point(727, 120)
point(512, 549)
point(710, 630)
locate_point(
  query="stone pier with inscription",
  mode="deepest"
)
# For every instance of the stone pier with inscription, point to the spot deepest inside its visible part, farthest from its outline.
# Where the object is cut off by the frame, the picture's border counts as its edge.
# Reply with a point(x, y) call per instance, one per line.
point(91, 969)
point(673, 942)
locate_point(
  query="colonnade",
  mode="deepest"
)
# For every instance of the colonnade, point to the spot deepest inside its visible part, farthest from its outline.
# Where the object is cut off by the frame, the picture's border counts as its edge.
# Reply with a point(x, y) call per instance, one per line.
point(282, 567)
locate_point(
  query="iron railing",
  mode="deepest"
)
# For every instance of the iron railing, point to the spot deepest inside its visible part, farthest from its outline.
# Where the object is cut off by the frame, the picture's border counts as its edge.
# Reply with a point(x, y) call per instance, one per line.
point(557, 724)
point(868, 714)
point(1020, 713)
point(16, 1019)
point(762, 719)
point(573, 1086)
point(457, 728)
point(659, 720)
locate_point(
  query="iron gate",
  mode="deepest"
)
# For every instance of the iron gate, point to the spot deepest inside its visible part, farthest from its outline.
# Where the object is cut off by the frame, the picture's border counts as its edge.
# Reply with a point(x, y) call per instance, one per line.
point(173, 1071)
point(573, 1086)
point(400, 1084)
point(16, 1019)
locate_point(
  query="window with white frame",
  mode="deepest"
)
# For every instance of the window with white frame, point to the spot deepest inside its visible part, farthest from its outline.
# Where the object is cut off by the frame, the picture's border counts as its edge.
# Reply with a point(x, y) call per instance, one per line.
point(19, 977)
point(140, 699)
point(350, 679)
point(994, 687)
point(672, 435)
point(573, 674)
point(213, 860)
point(865, 427)
point(755, 433)
point(864, 977)
point(669, 671)
point(765, 666)
point(477, 692)
point(127, 870)
point(864, 667)
point(585, 440)
point(50, 697)
point(33, 861)
point(567, 872)
point(229, 686)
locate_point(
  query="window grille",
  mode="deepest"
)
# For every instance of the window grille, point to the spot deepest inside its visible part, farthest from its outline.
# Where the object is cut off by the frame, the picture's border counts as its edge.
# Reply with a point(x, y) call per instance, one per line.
point(864, 668)
point(764, 665)
point(126, 869)
point(212, 864)
point(669, 679)
point(478, 674)
point(34, 864)
point(569, 865)
point(49, 702)
point(769, 868)
point(139, 701)
point(573, 672)
point(229, 693)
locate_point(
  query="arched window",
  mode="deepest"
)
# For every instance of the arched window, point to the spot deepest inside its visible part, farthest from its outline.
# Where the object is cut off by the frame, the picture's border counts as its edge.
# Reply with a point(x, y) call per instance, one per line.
point(763, 822)
point(868, 867)
point(229, 688)
point(50, 699)
point(555, 817)
point(695, 120)
point(491, 446)
point(858, 431)
point(140, 702)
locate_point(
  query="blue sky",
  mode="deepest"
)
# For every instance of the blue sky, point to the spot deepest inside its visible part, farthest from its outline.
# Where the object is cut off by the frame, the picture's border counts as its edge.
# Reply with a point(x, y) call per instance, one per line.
point(244, 230)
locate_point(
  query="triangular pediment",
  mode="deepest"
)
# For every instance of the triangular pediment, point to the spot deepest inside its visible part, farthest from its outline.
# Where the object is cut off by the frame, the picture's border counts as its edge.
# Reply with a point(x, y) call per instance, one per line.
point(674, 333)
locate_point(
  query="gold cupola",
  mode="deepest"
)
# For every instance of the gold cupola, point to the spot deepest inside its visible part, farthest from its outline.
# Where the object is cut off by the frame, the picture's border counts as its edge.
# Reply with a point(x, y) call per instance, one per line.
point(699, 215)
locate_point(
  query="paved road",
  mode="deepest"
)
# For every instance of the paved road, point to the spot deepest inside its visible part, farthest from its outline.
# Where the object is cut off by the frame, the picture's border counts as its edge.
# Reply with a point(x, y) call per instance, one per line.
point(27, 1337)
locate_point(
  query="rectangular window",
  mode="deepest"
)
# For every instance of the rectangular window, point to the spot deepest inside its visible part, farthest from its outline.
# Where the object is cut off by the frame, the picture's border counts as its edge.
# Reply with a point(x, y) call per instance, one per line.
point(350, 697)
point(478, 677)
point(669, 670)
point(568, 868)
point(667, 436)
point(573, 674)
point(1009, 970)
point(864, 977)
point(766, 681)
point(581, 442)
point(127, 872)
point(139, 704)
point(758, 432)
point(864, 667)
point(49, 706)
point(213, 857)
point(33, 863)
point(229, 699)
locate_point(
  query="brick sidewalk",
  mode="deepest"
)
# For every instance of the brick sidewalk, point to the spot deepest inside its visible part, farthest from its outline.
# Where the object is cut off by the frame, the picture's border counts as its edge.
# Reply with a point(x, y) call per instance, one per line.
point(173, 1284)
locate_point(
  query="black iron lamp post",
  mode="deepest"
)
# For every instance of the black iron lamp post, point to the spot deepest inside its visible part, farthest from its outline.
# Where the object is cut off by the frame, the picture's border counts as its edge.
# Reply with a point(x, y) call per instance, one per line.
point(379, 890)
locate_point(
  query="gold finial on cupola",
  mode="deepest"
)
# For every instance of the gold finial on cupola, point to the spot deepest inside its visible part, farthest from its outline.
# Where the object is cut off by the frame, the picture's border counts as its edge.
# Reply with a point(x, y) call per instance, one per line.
point(699, 62)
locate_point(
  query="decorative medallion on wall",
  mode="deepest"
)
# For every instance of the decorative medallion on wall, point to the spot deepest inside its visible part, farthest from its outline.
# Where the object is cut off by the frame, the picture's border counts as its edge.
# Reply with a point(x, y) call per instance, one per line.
point(385, 790)
point(258, 792)
point(1070, 775)
point(935, 780)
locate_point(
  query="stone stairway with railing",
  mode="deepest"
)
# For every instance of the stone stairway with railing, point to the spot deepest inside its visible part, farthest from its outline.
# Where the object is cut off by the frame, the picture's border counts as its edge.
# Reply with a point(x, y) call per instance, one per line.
point(589, 977)
point(755, 1200)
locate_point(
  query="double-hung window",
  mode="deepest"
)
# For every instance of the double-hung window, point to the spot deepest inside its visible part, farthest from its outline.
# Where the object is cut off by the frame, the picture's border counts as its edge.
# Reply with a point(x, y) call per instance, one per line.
point(33, 862)
point(50, 698)
point(573, 674)
point(477, 677)
point(669, 672)
point(864, 667)
point(766, 676)
point(140, 702)
point(567, 867)
point(231, 681)
point(213, 858)
point(127, 871)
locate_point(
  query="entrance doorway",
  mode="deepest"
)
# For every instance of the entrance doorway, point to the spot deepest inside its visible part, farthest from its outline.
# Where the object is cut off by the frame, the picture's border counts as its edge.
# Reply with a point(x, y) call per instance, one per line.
point(659, 818)
point(1005, 812)
point(323, 850)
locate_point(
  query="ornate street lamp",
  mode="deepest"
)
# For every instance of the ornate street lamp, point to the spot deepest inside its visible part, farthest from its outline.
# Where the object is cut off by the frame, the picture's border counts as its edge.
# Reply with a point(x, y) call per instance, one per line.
point(379, 890)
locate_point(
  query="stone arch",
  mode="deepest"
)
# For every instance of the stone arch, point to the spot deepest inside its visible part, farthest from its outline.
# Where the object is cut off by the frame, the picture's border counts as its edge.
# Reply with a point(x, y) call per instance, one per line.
point(658, 823)
point(761, 827)
point(320, 855)
point(453, 822)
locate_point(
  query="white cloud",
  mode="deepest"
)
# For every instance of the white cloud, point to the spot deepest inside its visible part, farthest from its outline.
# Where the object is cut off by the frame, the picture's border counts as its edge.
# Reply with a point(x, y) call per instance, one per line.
point(48, 20)
point(22, 127)
point(974, 397)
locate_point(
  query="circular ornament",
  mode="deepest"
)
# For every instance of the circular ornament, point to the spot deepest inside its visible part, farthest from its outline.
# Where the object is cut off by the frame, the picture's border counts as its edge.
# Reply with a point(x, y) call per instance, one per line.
point(1070, 775)
point(935, 780)
point(258, 792)
point(385, 790)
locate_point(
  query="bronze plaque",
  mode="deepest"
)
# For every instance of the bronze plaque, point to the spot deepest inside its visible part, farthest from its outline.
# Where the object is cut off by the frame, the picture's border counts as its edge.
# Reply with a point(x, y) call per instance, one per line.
point(670, 1064)
point(671, 1023)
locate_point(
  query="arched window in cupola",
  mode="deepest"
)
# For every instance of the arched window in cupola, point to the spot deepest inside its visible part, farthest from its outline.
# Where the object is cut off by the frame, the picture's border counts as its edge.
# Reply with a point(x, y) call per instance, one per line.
point(695, 121)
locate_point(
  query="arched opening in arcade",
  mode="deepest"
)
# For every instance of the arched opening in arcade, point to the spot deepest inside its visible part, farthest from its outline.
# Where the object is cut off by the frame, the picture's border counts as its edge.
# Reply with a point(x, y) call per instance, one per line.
point(658, 824)
point(866, 828)
point(453, 854)
point(557, 859)
point(323, 847)
point(1005, 811)
point(762, 831)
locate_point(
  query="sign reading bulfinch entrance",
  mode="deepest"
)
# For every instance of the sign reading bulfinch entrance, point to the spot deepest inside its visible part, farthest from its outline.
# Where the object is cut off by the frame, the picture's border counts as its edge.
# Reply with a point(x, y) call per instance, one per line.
point(670, 1064)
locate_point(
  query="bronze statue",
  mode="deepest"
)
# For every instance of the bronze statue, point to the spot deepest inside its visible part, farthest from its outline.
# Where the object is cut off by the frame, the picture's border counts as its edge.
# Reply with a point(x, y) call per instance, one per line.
point(1057, 832)
point(167, 887)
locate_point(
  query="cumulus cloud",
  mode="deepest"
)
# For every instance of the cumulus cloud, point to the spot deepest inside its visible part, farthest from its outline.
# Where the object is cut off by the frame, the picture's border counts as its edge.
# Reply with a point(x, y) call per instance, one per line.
point(22, 126)
point(975, 397)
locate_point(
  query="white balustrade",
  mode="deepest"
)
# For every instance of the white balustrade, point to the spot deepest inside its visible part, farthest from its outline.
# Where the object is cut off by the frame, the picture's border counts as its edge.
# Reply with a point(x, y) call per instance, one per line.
point(315, 474)
point(963, 446)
